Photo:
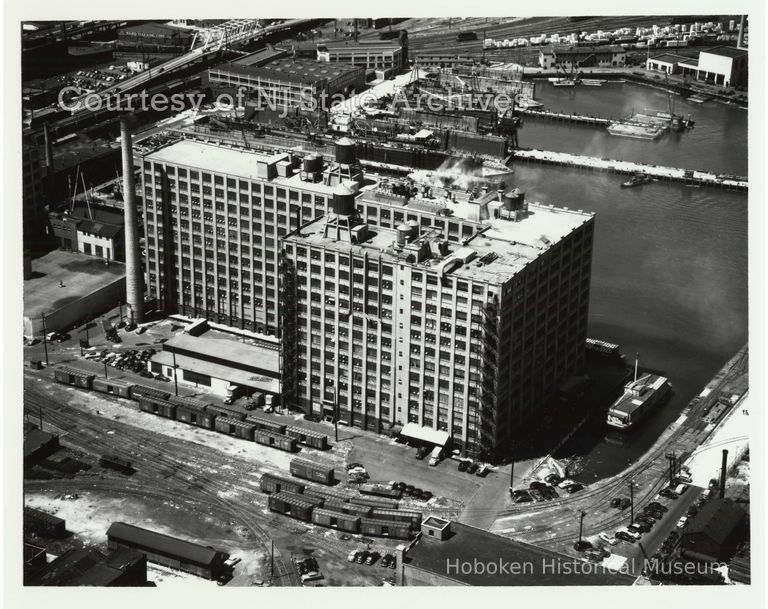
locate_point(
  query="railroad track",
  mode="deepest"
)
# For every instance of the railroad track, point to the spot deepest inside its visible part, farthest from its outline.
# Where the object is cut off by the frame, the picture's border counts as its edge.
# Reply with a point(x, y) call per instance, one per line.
point(176, 471)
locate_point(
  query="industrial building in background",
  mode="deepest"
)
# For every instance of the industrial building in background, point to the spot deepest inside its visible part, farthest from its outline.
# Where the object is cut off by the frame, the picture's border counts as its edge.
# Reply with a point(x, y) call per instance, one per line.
point(409, 325)
point(275, 81)
point(376, 54)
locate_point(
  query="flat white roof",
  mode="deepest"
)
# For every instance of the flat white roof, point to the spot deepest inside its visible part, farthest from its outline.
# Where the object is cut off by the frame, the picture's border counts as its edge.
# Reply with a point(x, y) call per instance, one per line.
point(426, 434)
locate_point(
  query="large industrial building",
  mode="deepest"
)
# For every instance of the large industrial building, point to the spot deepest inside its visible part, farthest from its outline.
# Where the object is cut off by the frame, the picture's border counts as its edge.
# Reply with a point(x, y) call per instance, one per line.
point(463, 315)
point(283, 82)
point(572, 57)
point(213, 219)
point(372, 54)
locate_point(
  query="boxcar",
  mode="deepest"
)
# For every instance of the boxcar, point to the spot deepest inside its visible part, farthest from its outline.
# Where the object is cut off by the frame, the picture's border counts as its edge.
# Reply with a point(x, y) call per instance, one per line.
point(182, 401)
point(42, 523)
point(293, 506)
point(336, 520)
point(234, 427)
point(116, 387)
point(412, 518)
point(316, 472)
point(266, 424)
point(187, 413)
point(159, 407)
point(142, 391)
point(385, 528)
point(276, 440)
point(380, 490)
point(383, 504)
point(348, 508)
point(223, 411)
point(312, 500)
point(73, 376)
point(308, 437)
point(274, 484)
point(117, 463)
point(326, 493)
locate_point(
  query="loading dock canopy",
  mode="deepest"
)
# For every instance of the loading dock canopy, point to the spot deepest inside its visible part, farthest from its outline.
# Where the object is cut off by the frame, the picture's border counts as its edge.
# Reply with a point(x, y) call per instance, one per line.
point(425, 434)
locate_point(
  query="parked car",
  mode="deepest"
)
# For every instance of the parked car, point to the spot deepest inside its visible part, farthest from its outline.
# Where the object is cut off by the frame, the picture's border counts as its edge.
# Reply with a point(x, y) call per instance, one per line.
point(399, 486)
point(425, 495)
point(536, 484)
point(658, 506)
point(668, 493)
point(682, 522)
point(473, 468)
point(463, 465)
point(565, 483)
point(573, 488)
point(421, 452)
point(372, 558)
point(354, 466)
point(582, 545)
point(625, 536)
point(536, 494)
point(594, 555)
point(408, 490)
point(553, 479)
point(609, 539)
point(361, 557)
point(521, 496)
point(483, 471)
point(353, 555)
point(680, 489)
point(644, 518)
point(627, 531)
point(308, 417)
point(639, 527)
point(549, 492)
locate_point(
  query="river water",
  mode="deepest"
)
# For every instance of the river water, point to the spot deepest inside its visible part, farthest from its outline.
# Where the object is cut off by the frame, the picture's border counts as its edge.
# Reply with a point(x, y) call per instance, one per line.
point(669, 275)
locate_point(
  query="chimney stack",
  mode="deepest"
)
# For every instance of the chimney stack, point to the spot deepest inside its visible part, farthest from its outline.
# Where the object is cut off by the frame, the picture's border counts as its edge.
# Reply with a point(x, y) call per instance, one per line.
point(723, 471)
point(134, 282)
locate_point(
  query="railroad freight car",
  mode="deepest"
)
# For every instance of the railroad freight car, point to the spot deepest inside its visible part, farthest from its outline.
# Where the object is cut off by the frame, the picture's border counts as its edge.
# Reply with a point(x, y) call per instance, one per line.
point(383, 504)
point(223, 411)
point(275, 440)
point(159, 407)
point(142, 391)
point(412, 518)
point(380, 490)
point(42, 523)
point(274, 484)
point(347, 508)
point(291, 505)
point(188, 413)
point(385, 528)
point(234, 427)
point(316, 472)
point(117, 387)
point(117, 463)
point(313, 439)
point(336, 520)
point(326, 493)
point(182, 401)
point(73, 376)
point(313, 501)
point(261, 423)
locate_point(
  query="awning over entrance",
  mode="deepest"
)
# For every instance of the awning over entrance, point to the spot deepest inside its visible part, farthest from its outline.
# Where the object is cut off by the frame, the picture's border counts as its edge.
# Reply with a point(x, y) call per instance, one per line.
point(425, 434)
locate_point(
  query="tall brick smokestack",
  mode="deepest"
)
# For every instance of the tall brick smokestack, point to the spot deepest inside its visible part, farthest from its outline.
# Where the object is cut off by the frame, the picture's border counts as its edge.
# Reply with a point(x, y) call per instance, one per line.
point(134, 281)
point(723, 472)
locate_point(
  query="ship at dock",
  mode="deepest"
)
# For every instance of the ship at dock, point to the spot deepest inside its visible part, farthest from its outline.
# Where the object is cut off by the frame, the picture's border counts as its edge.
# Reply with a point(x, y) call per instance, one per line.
point(640, 397)
point(650, 124)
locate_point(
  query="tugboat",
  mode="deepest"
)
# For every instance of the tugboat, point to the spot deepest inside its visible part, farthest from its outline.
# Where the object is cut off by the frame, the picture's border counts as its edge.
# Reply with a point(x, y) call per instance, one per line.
point(636, 180)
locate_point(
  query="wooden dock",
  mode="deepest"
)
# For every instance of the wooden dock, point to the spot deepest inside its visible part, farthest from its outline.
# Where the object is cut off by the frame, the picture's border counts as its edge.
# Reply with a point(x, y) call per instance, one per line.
point(664, 174)
point(580, 119)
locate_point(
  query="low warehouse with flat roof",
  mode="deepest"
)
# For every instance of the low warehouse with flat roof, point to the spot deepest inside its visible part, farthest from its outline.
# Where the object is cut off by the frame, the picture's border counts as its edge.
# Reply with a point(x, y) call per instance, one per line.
point(202, 561)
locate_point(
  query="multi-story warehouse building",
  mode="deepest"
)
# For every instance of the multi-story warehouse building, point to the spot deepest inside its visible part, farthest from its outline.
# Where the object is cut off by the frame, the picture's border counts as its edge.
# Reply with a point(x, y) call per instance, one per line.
point(284, 82)
point(33, 195)
point(213, 219)
point(372, 54)
point(572, 57)
point(462, 316)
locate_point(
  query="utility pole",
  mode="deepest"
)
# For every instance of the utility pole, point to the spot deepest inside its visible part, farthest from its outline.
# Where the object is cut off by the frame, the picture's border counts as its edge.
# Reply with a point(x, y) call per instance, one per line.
point(631, 502)
point(40, 414)
point(45, 339)
point(581, 524)
point(512, 467)
point(175, 374)
point(106, 374)
point(671, 457)
point(272, 560)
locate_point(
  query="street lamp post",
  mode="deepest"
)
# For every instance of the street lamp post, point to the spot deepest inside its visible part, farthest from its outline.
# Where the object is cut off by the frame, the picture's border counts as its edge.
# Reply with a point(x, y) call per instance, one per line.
point(45, 339)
